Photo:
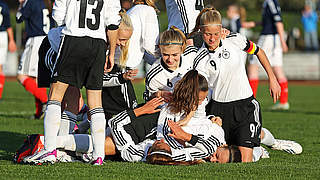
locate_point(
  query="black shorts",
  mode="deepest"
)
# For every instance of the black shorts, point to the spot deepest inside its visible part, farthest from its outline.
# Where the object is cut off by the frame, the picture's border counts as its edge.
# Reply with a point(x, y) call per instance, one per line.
point(241, 121)
point(81, 62)
point(118, 98)
point(46, 63)
point(142, 127)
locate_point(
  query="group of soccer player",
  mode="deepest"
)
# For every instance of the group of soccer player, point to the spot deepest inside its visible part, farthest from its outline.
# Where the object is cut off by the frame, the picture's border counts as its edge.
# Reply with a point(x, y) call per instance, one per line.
point(199, 103)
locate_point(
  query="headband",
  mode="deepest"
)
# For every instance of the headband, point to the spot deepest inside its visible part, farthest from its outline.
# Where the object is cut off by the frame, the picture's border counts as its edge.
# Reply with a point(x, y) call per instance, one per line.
point(171, 43)
point(161, 152)
point(210, 25)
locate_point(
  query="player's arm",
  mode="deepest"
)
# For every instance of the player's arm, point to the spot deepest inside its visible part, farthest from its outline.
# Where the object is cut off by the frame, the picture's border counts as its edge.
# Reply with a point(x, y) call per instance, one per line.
point(274, 88)
point(112, 21)
point(12, 47)
point(207, 147)
point(6, 23)
point(128, 149)
point(280, 29)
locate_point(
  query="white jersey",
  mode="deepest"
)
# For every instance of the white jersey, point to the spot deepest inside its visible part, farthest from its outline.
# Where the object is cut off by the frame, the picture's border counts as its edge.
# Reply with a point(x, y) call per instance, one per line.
point(145, 33)
point(86, 18)
point(224, 70)
point(183, 13)
point(206, 136)
point(159, 77)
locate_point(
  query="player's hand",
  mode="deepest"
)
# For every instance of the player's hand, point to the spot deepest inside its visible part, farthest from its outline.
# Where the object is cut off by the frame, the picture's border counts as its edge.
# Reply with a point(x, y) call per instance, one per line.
point(150, 107)
point(284, 47)
point(178, 133)
point(167, 95)
point(224, 33)
point(275, 89)
point(12, 47)
point(109, 64)
point(216, 120)
point(190, 42)
point(130, 74)
point(186, 120)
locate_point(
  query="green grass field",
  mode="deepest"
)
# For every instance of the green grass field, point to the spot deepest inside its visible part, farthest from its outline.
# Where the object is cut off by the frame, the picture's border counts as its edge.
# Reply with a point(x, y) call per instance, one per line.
point(301, 123)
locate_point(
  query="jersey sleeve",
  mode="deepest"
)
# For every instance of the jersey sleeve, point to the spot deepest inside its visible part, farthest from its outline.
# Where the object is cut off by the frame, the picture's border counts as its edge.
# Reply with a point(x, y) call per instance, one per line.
point(113, 79)
point(150, 31)
point(243, 43)
point(163, 130)
point(59, 11)
point(112, 8)
point(129, 150)
point(152, 86)
point(275, 10)
point(200, 63)
point(198, 147)
point(202, 149)
point(25, 11)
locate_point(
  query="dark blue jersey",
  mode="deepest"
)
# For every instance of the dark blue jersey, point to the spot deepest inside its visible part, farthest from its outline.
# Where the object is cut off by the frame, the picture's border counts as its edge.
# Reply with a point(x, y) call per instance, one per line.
point(37, 18)
point(4, 16)
point(270, 16)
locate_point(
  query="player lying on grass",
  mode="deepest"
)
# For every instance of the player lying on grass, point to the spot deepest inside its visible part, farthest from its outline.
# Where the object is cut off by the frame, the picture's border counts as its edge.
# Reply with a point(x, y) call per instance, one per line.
point(134, 132)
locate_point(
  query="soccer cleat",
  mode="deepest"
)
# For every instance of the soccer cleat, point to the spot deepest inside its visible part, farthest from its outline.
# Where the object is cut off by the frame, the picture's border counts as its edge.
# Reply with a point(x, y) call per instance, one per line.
point(43, 156)
point(32, 144)
point(290, 147)
point(280, 106)
point(97, 162)
point(265, 153)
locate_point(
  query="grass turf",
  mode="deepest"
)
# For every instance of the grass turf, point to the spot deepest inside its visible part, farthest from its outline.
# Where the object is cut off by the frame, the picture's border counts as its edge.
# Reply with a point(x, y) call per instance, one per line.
point(301, 123)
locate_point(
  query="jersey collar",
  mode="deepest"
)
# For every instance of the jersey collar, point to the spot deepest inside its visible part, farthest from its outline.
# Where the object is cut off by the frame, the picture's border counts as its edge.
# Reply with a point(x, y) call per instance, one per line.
point(210, 51)
point(164, 65)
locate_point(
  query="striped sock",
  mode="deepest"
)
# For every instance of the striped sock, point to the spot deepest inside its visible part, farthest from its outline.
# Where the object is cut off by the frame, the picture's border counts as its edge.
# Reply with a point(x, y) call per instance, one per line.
point(52, 119)
point(98, 127)
point(68, 122)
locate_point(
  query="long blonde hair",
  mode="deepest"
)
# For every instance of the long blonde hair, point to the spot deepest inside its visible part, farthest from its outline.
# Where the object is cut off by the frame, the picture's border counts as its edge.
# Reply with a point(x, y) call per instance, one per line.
point(207, 16)
point(173, 36)
point(125, 24)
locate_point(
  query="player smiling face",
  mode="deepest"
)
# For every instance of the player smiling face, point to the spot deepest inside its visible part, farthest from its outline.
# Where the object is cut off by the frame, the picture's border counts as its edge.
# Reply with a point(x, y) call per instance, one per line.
point(171, 55)
point(123, 37)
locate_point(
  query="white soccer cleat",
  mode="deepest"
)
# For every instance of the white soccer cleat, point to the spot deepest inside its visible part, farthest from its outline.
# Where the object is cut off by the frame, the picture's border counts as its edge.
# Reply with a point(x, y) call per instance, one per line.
point(280, 106)
point(288, 146)
point(265, 153)
point(42, 156)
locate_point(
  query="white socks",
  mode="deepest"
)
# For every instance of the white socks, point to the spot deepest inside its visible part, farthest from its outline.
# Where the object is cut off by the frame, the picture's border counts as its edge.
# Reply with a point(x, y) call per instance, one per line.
point(98, 127)
point(78, 142)
point(68, 122)
point(268, 138)
point(52, 119)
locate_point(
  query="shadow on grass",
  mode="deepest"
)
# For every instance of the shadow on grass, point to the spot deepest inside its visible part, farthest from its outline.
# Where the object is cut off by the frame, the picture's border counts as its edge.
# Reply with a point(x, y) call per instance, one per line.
point(10, 142)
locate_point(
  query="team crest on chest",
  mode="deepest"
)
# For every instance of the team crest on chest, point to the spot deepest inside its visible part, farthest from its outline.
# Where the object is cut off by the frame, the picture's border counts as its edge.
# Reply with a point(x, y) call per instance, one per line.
point(225, 54)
